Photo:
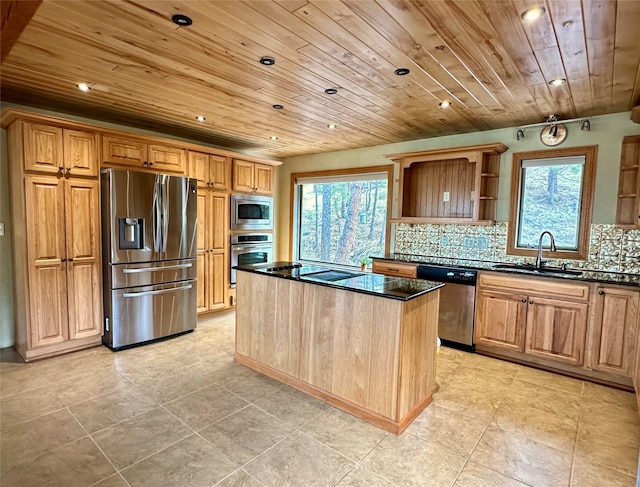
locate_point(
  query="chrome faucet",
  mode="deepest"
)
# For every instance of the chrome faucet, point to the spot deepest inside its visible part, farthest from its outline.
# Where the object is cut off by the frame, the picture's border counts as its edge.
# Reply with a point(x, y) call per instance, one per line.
point(552, 247)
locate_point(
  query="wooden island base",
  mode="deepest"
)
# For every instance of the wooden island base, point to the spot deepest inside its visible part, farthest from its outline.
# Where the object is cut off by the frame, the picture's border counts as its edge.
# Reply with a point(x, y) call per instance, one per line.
point(371, 356)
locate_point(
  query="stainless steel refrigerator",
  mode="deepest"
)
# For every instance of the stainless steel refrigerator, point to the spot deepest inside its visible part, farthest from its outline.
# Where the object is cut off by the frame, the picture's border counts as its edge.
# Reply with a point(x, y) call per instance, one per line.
point(149, 256)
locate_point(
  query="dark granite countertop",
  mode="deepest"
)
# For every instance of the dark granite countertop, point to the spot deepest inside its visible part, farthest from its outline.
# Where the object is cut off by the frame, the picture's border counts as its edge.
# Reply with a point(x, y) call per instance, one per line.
point(586, 275)
point(361, 282)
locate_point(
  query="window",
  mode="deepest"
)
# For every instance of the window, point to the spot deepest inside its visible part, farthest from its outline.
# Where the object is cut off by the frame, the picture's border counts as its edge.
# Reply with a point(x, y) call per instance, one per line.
point(340, 217)
point(552, 190)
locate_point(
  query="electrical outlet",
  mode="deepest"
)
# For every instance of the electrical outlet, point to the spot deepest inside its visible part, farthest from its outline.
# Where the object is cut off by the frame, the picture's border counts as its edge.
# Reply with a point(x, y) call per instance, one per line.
point(473, 195)
point(445, 196)
point(1, 229)
point(467, 242)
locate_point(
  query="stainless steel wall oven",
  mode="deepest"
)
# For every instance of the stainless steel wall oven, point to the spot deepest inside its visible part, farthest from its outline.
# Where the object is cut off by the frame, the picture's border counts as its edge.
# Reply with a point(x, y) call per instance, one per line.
point(250, 248)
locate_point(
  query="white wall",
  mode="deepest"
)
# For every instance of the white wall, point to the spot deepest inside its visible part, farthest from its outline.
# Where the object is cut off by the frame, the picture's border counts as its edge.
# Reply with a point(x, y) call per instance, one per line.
point(606, 132)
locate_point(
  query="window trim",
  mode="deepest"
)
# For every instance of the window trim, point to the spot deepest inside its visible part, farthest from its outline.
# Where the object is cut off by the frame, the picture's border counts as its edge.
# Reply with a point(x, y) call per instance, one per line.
point(590, 153)
point(388, 168)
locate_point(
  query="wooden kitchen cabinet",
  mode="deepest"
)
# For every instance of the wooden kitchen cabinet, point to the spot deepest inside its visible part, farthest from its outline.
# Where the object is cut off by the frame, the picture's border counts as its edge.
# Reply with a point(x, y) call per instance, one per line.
point(556, 329)
point(63, 263)
point(500, 319)
point(252, 177)
point(55, 206)
point(397, 269)
point(453, 185)
point(213, 267)
point(53, 150)
point(628, 209)
point(543, 318)
point(615, 329)
point(140, 153)
point(211, 171)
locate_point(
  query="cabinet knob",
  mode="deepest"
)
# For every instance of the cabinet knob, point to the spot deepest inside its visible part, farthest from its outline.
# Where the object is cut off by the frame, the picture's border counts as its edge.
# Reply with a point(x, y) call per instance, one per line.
point(71, 260)
point(150, 163)
point(531, 302)
point(68, 171)
point(524, 300)
point(63, 260)
point(60, 169)
point(601, 292)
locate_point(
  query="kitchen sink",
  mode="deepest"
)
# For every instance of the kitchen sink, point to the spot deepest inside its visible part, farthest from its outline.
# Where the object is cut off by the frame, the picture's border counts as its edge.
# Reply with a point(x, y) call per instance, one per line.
point(331, 275)
point(531, 269)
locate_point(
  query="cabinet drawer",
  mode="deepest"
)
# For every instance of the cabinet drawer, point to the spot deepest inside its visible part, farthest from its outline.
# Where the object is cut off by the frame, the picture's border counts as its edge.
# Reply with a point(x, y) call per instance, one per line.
point(543, 286)
point(397, 269)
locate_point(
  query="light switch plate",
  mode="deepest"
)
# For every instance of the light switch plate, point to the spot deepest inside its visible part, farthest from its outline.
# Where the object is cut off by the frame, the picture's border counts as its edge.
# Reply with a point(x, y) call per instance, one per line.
point(1, 229)
point(445, 196)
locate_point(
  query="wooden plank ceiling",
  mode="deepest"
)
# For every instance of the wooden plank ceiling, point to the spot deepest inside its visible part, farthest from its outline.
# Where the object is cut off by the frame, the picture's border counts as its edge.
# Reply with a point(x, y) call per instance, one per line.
point(492, 66)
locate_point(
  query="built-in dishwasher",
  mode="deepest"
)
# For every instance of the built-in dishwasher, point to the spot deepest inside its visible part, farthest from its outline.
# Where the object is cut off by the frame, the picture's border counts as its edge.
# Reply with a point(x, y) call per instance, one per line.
point(457, 303)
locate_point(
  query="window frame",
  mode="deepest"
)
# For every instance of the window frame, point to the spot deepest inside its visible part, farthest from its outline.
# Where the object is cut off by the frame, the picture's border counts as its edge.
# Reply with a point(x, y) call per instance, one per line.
point(293, 197)
point(590, 154)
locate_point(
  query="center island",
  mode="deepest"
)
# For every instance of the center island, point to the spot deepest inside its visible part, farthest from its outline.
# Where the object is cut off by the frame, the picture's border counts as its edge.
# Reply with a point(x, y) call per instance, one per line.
point(362, 342)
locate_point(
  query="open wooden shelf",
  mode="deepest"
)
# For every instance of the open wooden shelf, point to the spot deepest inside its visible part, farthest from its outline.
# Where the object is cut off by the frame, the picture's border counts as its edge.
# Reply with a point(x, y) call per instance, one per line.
point(453, 185)
point(628, 209)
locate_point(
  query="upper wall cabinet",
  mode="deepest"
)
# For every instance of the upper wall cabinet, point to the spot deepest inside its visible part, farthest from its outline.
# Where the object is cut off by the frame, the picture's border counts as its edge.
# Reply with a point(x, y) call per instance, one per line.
point(211, 171)
point(251, 177)
point(458, 185)
point(138, 153)
point(51, 149)
point(628, 212)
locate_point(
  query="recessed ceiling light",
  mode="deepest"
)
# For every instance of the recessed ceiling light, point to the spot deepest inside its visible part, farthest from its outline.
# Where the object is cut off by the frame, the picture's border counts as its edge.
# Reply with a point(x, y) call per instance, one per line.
point(84, 87)
point(330, 91)
point(445, 104)
point(182, 20)
point(273, 137)
point(267, 61)
point(402, 71)
point(200, 118)
point(331, 126)
point(278, 107)
point(533, 13)
point(557, 82)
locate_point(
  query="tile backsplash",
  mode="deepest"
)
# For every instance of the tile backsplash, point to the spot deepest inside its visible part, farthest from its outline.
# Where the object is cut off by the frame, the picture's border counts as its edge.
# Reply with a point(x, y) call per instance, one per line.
point(611, 249)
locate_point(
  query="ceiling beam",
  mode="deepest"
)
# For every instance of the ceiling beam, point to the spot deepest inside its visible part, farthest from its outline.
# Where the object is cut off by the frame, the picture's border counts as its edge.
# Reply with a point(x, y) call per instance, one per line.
point(15, 17)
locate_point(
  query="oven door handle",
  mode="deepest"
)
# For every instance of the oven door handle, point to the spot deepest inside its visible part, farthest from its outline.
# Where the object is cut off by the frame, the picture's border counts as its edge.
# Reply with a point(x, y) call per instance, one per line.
point(253, 247)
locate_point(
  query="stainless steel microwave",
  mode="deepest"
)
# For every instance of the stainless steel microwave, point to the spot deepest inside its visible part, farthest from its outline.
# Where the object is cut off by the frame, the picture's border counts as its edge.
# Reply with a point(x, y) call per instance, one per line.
point(251, 212)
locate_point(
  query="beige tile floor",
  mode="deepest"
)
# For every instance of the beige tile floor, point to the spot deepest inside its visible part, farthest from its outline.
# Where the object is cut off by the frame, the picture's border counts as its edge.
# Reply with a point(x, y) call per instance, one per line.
point(182, 413)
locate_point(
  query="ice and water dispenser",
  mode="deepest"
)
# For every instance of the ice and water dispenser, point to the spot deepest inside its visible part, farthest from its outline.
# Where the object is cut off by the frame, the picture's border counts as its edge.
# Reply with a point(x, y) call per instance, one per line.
point(131, 232)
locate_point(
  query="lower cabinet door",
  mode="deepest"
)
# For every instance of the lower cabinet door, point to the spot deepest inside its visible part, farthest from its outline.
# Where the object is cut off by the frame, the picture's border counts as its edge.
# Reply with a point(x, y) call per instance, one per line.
point(614, 330)
point(500, 319)
point(217, 271)
point(556, 329)
point(203, 282)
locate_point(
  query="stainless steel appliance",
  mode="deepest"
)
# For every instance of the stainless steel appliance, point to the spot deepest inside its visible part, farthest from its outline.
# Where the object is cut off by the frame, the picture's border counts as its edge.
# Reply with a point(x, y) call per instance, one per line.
point(149, 256)
point(457, 303)
point(250, 248)
point(251, 212)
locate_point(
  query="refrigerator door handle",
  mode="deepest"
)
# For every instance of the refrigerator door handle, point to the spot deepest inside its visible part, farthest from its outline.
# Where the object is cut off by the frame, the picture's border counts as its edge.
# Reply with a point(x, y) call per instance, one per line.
point(153, 293)
point(155, 269)
point(165, 213)
point(157, 216)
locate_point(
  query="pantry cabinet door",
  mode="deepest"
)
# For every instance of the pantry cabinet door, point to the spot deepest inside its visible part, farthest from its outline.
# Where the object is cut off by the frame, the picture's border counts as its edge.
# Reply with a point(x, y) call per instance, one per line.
point(42, 148)
point(84, 282)
point(80, 156)
point(44, 199)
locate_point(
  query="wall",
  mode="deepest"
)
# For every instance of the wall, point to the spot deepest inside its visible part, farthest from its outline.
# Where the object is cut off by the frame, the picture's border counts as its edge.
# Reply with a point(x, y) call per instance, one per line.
point(6, 280)
point(606, 132)
point(6, 276)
